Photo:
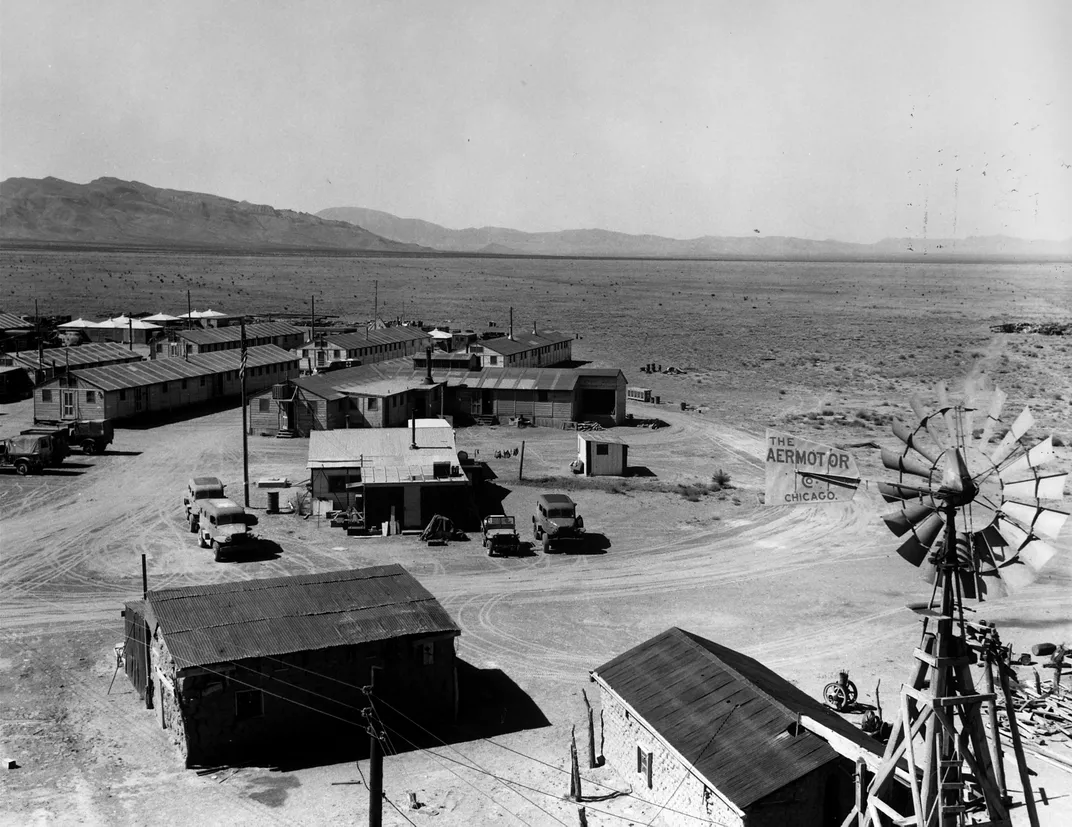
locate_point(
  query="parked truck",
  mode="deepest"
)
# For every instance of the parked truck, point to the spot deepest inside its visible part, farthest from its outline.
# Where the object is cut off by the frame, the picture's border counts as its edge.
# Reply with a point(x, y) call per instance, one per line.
point(199, 488)
point(556, 521)
point(223, 525)
point(27, 454)
point(91, 435)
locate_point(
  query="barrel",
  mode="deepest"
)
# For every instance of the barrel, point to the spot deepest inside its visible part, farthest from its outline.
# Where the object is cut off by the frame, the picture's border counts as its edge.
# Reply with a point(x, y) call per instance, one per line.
point(273, 502)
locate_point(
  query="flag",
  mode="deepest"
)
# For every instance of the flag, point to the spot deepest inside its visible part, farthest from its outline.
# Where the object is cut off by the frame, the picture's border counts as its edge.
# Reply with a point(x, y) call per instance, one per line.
point(242, 364)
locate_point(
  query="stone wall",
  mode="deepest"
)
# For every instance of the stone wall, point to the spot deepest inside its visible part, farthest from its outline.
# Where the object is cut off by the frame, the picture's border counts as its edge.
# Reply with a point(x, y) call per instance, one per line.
point(684, 796)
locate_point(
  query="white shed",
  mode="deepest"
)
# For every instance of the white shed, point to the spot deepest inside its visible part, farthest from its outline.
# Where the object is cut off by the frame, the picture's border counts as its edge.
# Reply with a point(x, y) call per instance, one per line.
point(602, 454)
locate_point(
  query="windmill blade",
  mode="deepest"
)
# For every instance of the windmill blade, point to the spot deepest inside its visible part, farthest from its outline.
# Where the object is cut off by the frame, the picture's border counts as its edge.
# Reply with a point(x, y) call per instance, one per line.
point(989, 582)
point(924, 416)
point(905, 464)
point(1023, 423)
point(1014, 575)
point(949, 415)
point(1049, 487)
point(906, 435)
point(922, 537)
point(993, 415)
point(1038, 520)
point(1037, 456)
point(910, 515)
point(898, 491)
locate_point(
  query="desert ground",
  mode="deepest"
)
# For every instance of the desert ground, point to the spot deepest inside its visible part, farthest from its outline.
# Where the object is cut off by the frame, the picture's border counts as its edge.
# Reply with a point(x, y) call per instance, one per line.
point(830, 351)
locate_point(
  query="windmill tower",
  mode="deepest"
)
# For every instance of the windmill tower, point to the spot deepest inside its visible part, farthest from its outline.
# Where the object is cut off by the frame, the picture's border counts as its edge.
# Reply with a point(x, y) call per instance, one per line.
point(974, 519)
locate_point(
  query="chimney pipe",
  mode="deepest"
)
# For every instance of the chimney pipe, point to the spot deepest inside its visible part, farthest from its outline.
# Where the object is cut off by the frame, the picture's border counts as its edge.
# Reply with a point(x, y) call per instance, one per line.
point(533, 327)
point(511, 336)
point(428, 373)
point(413, 428)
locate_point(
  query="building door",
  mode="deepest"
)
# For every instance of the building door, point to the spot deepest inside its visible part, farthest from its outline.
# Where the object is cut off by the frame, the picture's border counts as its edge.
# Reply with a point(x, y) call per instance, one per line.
point(68, 403)
point(139, 399)
point(217, 384)
point(487, 406)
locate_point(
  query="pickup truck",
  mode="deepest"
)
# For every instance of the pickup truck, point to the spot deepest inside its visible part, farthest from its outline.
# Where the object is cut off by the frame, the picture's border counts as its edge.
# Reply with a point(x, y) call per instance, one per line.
point(223, 525)
point(556, 521)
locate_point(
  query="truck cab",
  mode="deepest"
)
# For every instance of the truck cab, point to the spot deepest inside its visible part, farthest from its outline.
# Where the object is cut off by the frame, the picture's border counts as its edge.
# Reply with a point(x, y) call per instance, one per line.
point(556, 520)
point(199, 488)
point(223, 526)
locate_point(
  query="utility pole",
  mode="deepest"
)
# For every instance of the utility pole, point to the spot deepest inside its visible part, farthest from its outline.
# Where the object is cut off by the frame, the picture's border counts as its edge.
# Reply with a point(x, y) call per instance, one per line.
point(375, 755)
point(245, 436)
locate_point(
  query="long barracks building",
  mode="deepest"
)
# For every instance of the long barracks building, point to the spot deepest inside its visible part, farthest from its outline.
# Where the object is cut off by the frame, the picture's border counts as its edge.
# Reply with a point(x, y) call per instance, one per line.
point(163, 386)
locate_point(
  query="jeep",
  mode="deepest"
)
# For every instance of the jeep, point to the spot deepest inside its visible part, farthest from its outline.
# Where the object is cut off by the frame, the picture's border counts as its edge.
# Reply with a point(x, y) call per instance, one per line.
point(223, 526)
point(556, 520)
point(26, 454)
point(199, 488)
point(500, 535)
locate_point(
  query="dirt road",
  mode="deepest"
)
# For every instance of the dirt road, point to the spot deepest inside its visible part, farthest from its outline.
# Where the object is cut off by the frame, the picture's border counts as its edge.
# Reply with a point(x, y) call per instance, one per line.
point(806, 590)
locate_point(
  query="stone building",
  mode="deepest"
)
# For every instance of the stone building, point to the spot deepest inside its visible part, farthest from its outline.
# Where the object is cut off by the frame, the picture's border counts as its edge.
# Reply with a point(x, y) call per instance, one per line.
point(265, 668)
point(714, 736)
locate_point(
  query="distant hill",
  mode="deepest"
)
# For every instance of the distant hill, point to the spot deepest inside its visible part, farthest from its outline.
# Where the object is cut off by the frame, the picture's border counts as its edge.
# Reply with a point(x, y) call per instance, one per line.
point(504, 241)
point(114, 212)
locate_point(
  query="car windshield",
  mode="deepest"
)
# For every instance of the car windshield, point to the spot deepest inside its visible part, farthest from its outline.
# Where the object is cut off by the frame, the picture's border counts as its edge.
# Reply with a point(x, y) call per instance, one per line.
point(500, 522)
point(231, 519)
point(208, 494)
point(560, 512)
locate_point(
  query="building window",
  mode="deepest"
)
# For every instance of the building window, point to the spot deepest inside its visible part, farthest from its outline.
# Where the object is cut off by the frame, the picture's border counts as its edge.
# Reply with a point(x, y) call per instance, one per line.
point(427, 653)
point(249, 703)
point(265, 405)
point(643, 765)
point(602, 449)
point(373, 404)
point(542, 396)
point(337, 482)
point(46, 396)
point(91, 397)
point(184, 384)
point(122, 396)
point(495, 360)
point(163, 388)
point(202, 381)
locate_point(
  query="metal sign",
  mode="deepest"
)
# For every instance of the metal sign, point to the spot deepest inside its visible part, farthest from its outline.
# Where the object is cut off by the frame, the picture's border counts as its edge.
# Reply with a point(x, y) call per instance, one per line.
point(802, 472)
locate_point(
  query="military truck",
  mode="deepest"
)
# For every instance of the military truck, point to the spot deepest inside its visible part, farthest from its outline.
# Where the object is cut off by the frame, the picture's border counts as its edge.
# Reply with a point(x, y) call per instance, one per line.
point(223, 525)
point(556, 521)
point(500, 535)
point(55, 444)
point(199, 488)
point(27, 454)
point(91, 435)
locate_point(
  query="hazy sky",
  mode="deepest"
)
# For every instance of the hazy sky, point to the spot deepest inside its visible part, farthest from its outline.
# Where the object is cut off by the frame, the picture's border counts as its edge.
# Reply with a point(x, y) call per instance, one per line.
point(851, 120)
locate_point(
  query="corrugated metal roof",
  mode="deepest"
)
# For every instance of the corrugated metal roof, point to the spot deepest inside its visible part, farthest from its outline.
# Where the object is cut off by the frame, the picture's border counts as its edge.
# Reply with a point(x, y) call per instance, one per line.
point(386, 387)
point(89, 353)
point(725, 713)
point(223, 622)
point(523, 342)
point(9, 322)
point(140, 374)
point(233, 333)
point(384, 454)
point(384, 336)
point(597, 436)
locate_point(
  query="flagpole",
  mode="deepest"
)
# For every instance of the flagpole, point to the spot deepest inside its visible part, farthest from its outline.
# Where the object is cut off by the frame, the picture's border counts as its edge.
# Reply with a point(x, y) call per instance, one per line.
point(245, 436)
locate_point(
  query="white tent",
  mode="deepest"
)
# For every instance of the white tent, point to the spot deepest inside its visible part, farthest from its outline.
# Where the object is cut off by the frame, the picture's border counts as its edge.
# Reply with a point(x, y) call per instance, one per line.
point(161, 317)
point(125, 322)
point(77, 324)
point(439, 334)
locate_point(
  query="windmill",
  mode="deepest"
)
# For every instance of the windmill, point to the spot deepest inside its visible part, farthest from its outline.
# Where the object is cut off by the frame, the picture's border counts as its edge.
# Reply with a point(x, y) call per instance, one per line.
point(975, 519)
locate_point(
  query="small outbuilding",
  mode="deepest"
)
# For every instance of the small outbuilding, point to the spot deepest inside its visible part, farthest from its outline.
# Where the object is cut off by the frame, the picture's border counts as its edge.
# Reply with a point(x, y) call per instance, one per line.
point(711, 735)
point(602, 454)
point(260, 669)
point(404, 476)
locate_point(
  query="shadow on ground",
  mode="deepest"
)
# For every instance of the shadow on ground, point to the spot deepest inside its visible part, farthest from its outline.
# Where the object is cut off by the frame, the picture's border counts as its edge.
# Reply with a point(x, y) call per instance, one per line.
point(490, 704)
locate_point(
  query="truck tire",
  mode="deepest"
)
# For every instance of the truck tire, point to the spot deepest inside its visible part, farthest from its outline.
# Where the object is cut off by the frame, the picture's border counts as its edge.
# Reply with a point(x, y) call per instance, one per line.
point(22, 467)
point(194, 523)
point(201, 541)
point(546, 544)
point(89, 447)
point(216, 551)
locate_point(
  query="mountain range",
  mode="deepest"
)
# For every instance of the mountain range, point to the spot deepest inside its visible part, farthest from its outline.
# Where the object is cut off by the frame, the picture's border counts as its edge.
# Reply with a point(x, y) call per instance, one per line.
point(504, 241)
point(109, 211)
